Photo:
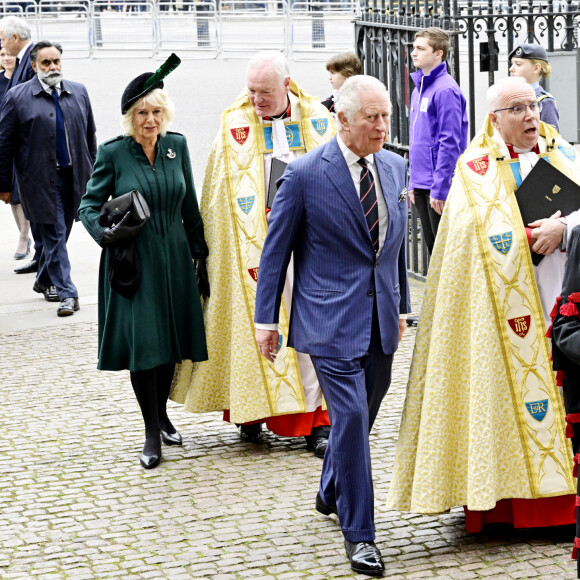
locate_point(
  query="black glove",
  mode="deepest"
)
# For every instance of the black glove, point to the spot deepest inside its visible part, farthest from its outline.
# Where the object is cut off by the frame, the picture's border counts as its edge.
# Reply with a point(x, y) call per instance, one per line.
point(120, 231)
point(202, 278)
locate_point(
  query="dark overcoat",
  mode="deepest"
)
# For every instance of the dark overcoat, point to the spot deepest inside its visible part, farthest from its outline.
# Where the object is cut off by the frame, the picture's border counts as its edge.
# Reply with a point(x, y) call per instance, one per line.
point(163, 322)
point(28, 145)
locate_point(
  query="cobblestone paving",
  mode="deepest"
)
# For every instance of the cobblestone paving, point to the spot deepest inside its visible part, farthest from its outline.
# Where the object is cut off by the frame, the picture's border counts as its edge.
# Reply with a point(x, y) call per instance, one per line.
point(75, 503)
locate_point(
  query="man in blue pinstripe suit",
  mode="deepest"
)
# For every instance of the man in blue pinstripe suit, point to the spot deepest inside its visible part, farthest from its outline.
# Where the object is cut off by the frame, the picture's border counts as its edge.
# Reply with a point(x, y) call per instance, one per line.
point(342, 211)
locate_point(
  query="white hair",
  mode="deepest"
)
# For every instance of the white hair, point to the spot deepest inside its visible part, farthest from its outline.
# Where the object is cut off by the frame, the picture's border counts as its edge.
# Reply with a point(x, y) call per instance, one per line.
point(348, 97)
point(12, 25)
point(276, 59)
point(156, 98)
point(506, 85)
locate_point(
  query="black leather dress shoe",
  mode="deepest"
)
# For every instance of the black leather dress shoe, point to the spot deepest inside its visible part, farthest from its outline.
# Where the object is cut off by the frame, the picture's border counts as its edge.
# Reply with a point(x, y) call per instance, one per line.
point(365, 558)
point(324, 508)
point(50, 294)
point(68, 306)
point(251, 432)
point(171, 438)
point(28, 268)
point(317, 444)
point(412, 320)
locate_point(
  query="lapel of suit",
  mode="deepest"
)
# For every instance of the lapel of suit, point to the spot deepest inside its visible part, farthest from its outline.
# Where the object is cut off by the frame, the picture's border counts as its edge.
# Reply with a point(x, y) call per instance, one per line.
point(17, 74)
point(385, 175)
point(339, 175)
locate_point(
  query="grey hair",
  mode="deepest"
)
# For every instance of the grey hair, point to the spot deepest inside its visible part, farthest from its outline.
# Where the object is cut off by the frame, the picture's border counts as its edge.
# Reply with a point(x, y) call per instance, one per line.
point(12, 25)
point(495, 92)
point(348, 97)
point(276, 59)
point(156, 98)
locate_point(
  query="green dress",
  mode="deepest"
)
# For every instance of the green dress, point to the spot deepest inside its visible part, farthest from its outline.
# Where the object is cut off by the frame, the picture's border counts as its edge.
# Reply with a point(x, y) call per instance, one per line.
point(163, 322)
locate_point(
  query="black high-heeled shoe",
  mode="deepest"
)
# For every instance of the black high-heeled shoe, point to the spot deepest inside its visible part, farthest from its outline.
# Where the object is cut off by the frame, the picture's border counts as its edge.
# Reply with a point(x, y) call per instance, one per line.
point(151, 454)
point(171, 438)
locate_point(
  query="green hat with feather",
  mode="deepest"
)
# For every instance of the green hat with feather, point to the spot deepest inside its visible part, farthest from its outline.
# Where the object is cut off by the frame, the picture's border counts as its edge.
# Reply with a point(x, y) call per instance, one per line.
point(147, 82)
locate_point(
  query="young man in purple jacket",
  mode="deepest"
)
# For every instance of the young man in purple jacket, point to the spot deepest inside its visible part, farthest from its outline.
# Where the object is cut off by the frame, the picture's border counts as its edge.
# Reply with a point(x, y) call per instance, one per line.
point(438, 129)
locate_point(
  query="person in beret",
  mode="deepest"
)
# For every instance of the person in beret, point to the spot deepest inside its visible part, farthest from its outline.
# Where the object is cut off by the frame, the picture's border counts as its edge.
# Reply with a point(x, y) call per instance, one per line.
point(530, 61)
point(155, 320)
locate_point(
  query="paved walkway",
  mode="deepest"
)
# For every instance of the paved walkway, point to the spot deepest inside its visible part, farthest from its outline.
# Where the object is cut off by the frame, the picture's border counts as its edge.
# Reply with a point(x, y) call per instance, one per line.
point(75, 503)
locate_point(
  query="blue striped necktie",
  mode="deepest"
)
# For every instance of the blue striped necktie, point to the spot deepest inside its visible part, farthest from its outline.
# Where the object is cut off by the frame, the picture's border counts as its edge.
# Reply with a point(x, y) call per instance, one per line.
point(62, 155)
point(368, 199)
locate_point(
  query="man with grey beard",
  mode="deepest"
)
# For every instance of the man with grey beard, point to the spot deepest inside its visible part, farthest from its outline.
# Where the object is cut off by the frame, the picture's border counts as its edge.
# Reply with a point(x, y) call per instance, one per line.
point(48, 144)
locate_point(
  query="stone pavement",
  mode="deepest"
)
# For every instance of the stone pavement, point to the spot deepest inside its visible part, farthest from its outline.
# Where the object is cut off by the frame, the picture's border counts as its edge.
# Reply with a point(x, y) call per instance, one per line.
point(75, 503)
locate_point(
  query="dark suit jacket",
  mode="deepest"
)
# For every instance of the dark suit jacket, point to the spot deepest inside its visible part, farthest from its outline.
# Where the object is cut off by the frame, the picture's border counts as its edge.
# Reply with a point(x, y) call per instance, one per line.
point(318, 216)
point(28, 145)
point(23, 72)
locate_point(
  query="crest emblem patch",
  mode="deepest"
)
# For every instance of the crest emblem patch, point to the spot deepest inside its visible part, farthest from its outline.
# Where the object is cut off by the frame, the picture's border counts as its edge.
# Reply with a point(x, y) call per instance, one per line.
point(246, 203)
point(320, 125)
point(240, 134)
point(479, 165)
point(538, 409)
point(502, 242)
point(568, 151)
point(520, 325)
point(253, 273)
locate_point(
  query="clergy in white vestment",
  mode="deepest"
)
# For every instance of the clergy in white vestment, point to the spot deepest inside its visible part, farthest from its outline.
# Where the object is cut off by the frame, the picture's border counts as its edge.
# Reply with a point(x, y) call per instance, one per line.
point(483, 424)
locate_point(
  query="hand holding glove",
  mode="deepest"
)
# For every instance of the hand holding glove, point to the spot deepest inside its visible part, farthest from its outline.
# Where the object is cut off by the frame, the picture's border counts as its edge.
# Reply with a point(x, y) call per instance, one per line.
point(202, 277)
point(120, 231)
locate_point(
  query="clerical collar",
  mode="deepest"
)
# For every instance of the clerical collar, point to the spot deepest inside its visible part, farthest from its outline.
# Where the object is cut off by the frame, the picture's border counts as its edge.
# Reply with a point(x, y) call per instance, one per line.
point(285, 115)
point(515, 151)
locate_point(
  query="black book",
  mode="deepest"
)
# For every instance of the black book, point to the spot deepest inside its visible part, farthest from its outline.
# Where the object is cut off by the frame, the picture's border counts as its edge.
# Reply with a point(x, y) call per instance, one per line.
point(276, 171)
point(543, 192)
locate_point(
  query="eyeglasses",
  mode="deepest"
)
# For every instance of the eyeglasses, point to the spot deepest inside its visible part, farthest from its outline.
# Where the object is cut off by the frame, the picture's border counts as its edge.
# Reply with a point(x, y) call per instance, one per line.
point(519, 110)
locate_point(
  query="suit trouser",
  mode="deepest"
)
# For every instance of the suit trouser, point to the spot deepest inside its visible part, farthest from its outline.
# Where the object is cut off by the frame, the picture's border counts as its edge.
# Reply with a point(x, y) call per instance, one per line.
point(429, 217)
point(37, 237)
point(353, 390)
point(54, 263)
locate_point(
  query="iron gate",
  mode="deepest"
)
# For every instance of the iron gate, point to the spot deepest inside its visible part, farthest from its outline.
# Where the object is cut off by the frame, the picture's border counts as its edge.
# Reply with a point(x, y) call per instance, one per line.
point(482, 34)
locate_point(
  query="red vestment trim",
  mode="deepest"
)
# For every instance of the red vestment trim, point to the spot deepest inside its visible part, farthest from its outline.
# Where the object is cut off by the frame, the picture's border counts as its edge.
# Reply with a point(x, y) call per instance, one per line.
point(525, 513)
point(295, 425)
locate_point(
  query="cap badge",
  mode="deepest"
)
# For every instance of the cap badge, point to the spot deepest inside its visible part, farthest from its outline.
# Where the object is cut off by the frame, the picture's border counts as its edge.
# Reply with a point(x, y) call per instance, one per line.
point(519, 51)
point(171, 154)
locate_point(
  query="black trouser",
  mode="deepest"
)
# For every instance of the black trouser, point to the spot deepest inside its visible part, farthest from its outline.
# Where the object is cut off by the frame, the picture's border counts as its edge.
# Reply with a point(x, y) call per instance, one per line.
point(428, 216)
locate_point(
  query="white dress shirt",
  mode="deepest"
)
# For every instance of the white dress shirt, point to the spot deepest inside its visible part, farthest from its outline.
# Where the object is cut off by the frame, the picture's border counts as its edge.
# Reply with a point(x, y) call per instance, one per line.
point(355, 170)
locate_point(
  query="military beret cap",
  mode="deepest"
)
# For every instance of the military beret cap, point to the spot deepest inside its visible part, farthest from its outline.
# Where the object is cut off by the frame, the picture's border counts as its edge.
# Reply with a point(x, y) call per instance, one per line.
point(529, 51)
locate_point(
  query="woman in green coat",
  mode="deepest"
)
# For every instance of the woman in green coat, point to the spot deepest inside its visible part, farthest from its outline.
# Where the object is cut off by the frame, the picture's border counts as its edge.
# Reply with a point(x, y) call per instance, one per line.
point(162, 323)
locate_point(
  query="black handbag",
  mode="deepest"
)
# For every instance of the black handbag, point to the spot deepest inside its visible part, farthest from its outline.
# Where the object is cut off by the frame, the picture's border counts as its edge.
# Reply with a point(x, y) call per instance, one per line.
point(114, 210)
point(124, 265)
